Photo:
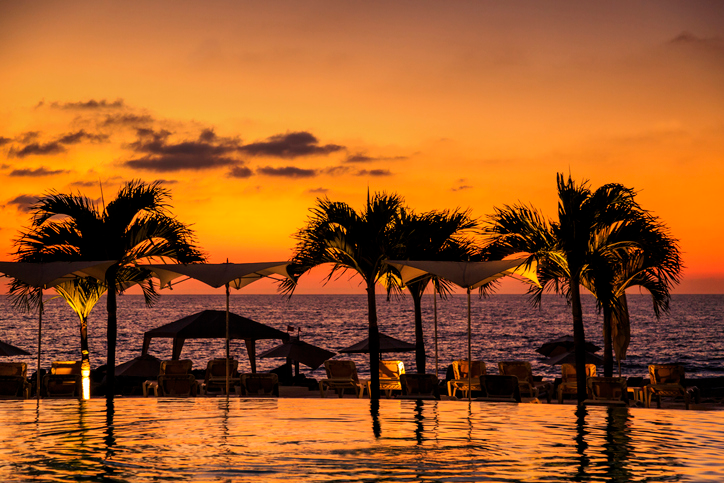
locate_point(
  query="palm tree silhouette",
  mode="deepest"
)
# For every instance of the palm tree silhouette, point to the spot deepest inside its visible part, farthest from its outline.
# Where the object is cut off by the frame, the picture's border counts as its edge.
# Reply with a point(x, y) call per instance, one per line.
point(567, 250)
point(359, 241)
point(136, 225)
point(435, 235)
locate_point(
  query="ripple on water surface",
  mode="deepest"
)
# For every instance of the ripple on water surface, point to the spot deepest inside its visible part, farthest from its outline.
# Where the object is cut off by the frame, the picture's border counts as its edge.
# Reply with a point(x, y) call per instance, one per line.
point(352, 440)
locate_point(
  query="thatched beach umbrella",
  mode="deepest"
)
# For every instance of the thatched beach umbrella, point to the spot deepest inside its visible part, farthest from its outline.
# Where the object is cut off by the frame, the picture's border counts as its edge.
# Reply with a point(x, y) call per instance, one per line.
point(299, 351)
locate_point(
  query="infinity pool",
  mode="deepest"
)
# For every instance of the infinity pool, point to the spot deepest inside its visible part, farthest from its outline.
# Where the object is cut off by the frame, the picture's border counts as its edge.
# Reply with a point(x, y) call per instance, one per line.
point(352, 440)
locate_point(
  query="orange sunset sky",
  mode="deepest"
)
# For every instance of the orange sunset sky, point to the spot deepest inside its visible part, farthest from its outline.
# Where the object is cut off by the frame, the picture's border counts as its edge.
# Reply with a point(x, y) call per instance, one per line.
point(248, 111)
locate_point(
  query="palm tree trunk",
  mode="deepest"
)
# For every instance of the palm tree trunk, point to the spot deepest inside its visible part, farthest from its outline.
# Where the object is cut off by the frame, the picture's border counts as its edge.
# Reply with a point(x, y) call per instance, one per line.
point(420, 359)
point(111, 332)
point(84, 351)
point(374, 338)
point(607, 342)
point(579, 336)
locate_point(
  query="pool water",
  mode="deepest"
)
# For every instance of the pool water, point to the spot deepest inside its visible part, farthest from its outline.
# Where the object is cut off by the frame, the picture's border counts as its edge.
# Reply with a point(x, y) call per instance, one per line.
point(215, 439)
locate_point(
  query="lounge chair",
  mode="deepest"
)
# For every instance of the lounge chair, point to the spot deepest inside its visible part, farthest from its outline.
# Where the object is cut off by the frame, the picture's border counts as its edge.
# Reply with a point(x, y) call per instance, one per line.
point(462, 381)
point(668, 380)
point(342, 375)
point(523, 371)
point(606, 391)
point(390, 372)
point(499, 389)
point(14, 380)
point(174, 380)
point(65, 379)
point(260, 384)
point(420, 386)
point(215, 377)
point(569, 383)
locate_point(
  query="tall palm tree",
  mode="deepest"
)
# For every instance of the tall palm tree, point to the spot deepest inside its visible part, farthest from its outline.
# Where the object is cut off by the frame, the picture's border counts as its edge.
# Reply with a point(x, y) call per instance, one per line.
point(435, 235)
point(563, 248)
point(136, 225)
point(359, 241)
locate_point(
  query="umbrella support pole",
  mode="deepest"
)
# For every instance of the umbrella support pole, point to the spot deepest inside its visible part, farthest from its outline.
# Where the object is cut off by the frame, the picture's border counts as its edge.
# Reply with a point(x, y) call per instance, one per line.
point(40, 328)
point(227, 341)
point(434, 305)
point(470, 353)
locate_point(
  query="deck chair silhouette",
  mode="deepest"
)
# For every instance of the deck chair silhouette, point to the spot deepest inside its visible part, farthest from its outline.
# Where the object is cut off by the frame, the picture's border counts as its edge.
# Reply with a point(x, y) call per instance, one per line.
point(14, 380)
point(215, 377)
point(420, 386)
point(342, 375)
point(523, 371)
point(390, 372)
point(499, 388)
point(668, 380)
point(64, 380)
point(260, 384)
point(461, 381)
point(174, 380)
point(569, 383)
point(607, 391)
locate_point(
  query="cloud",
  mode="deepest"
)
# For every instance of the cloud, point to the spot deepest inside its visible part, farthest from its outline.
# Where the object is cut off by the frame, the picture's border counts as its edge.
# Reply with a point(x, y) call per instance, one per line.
point(56, 146)
point(167, 181)
point(88, 105)
point(161, 155)
point(38, 149)
point(178, 162)
point(36, 173)
point(240, 172)
point(84, 184)
point(318, 191)
point(287, 172)
point(80, 136)
point(374, 172)
point(363, 158)
point(461, 187)
point(127, 119)
point(337, 170)
point(290, 145)
point(24, 202)
point(4, 141)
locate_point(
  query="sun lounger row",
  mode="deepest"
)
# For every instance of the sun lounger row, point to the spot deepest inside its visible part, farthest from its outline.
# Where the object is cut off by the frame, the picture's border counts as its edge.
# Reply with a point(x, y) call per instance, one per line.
point(176, 380)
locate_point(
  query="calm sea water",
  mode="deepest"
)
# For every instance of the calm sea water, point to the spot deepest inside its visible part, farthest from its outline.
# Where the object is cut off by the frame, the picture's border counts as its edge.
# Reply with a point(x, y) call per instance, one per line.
point(504, 327)
point(275, 440)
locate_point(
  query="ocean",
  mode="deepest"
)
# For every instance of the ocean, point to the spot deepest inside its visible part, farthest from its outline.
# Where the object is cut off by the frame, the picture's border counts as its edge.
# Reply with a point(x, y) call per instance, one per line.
point(504, 327)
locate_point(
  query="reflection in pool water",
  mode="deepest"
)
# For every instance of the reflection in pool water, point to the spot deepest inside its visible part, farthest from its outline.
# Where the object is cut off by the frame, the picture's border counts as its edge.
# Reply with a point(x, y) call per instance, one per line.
point(208, 439)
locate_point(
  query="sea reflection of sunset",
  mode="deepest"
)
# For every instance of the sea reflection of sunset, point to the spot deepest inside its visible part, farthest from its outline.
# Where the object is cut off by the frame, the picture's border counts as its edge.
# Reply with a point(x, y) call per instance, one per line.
point(350, 440)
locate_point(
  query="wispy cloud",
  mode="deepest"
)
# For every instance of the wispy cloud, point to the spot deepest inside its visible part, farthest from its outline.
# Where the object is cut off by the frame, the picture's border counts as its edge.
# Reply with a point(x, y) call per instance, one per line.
point(240, 172)
point(56, 146)
point(364, 158)
point(88, 105)
point(374, 172)
point(37, 172)
point(24, 202)
point(287, 172)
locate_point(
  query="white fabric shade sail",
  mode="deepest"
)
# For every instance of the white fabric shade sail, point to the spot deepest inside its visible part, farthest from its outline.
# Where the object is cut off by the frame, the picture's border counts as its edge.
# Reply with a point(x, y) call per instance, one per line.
point(468, 275)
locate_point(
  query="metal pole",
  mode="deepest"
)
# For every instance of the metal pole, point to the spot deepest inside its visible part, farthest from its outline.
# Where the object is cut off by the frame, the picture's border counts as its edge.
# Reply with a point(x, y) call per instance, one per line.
point(227, 340)
point(434, 304)
point(470, 353)
point(40, 326)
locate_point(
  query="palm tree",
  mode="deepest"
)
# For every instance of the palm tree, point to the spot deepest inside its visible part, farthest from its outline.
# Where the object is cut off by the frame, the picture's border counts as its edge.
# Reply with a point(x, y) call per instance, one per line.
point(436, 235)
point(654, 265)
point(359, 241)
point(564, 248)
point(136, 225)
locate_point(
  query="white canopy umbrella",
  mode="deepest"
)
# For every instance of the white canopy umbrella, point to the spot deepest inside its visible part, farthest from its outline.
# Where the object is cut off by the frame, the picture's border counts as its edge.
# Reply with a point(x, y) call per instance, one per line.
point(237, 275)
point(47, 275)
point(468, 275)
